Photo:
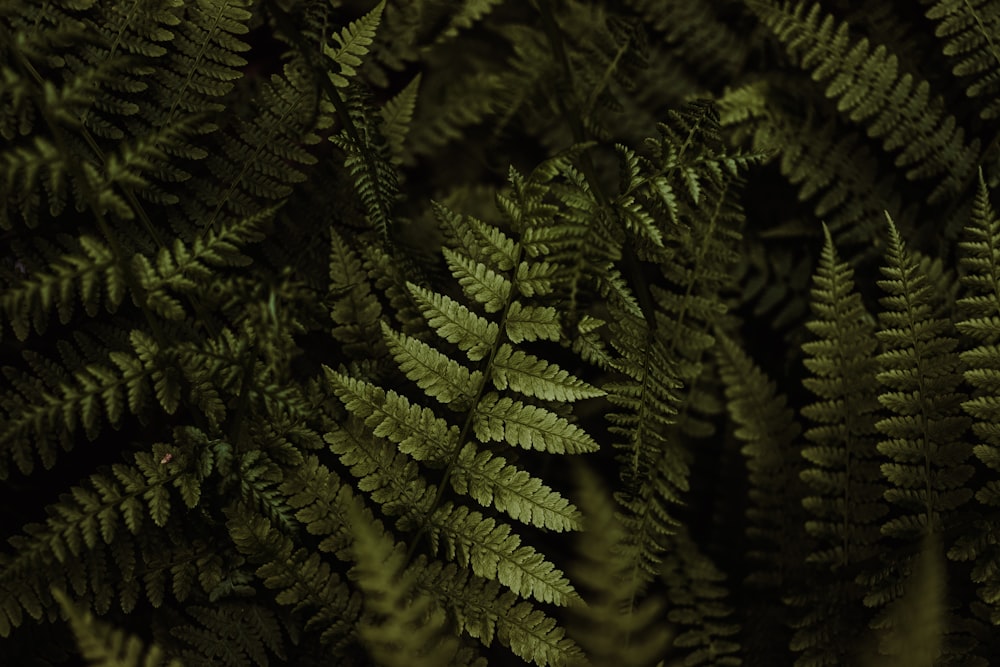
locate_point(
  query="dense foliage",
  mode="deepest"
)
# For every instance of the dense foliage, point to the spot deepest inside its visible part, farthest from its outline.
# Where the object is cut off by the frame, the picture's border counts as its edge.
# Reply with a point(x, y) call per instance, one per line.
point(454, 332)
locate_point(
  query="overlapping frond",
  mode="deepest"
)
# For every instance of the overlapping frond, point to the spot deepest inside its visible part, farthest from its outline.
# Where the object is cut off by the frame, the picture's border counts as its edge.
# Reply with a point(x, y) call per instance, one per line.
point(102, 644)
point(968, 29)
point(510, 396)
point(612, 628)
point(844, 477)
point(923, 442)
point(979, 308)
point(872, 88)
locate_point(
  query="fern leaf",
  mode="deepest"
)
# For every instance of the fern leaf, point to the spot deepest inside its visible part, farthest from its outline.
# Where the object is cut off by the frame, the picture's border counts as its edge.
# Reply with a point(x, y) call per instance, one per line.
point(531, 376)
point(417, 431)
point(397, 115)
point(531, 323)
point(611, 628)
point(352, 44)
point(302, 579)
point(409, 628)
point(528, 426)
point(844, 476)
point(978, 309)
point(968, 30)
point(101, 644)
point(491, 482)
point(235, 634)
point(486, 613)
point(926, 469)
point(455, 323)
point(769, 430)
point(84, 273)
point(898, 109)
point(355, 311)
point(493, 551)
point(479, 282)
point(438, 375)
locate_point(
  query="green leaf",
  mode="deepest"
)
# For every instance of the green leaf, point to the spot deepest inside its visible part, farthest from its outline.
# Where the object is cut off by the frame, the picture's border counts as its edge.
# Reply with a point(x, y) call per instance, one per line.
point(439, 376)
point(528, 426)
point(478, 281)
point(352, 43)
point(492, 483)
point(396, 116)
point(473, 334)
point(531, 376)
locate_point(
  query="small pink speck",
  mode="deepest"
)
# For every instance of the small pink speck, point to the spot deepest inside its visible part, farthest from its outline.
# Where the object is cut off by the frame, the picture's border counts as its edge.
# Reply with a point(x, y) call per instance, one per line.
point(166, 458)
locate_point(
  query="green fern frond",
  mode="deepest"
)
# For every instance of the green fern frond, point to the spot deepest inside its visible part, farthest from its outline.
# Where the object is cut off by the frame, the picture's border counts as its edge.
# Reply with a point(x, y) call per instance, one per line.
point(769, 430)
point(101, 526)
point(776, 543)
point(505, 399)
point(866, 81)
point(968, 29)
point(79, 275)
point(369, 163)
point(486, 612)
point(844, 476)
point(354, 309)
point(47, 407)
point(301, 579)
point(397, 115)
point(611, 627)
point(707, 633)
point(842, 364)
point(351, 44)
point(183, 269)
point(927, 470)
point(234, 634)
point(403, 628)
point(103, 645)
point(978, 310)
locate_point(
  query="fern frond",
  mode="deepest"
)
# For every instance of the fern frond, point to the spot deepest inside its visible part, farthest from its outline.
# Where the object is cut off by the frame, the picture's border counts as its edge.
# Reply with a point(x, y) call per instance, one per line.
point(397, 114)
point(102, 644)
point(769, 430)
point(926, 469)
point(529, 426)
point(844, 476)
point(80, 275)
point(706, 633)
point(611, 627)
point(653, 470)
point(531, 376)
point(471, 333)
point(235, 634)
point(896, 108)
point(486, 612)
point(83, 545)
point(354, 309)
point(968, 29)
point(351, 44)
point(302, 579)
point(978, 309)
point(404, 628)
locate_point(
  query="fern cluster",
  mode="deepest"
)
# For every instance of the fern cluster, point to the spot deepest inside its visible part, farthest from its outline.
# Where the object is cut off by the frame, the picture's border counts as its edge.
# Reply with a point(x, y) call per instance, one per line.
point(422, 333)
